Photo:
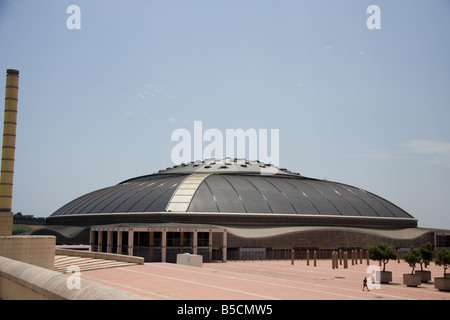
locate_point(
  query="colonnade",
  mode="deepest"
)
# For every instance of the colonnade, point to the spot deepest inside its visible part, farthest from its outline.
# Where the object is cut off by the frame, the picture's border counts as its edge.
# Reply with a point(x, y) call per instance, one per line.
point(115, 239)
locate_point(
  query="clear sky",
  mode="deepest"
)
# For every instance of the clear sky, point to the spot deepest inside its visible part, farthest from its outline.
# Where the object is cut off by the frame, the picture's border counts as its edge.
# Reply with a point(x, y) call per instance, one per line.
point(98, 105)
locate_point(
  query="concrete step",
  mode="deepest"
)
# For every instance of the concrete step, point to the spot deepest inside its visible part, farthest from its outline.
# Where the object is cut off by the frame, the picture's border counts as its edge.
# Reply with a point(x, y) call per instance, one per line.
point(62, 263)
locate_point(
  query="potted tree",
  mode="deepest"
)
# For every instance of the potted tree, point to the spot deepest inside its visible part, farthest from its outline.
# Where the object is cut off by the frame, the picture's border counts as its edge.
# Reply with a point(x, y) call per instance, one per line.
point(412, 258)
point(383, 252)
point(426, 251)
point(443, 259)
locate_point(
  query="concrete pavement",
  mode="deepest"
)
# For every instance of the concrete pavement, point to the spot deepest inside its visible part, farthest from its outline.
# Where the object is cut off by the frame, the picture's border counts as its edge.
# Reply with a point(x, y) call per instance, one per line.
point(263, 280)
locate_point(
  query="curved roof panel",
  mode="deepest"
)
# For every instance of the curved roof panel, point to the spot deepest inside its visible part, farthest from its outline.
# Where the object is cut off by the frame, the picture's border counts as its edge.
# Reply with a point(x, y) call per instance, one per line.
point(234, 189)
point(151, 195)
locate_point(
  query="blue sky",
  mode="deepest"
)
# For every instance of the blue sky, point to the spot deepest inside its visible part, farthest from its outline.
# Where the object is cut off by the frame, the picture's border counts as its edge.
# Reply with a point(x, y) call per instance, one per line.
point(369, 108)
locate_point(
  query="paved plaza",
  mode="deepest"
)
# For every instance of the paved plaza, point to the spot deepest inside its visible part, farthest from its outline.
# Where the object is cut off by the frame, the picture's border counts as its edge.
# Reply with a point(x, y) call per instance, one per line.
point(263, 280)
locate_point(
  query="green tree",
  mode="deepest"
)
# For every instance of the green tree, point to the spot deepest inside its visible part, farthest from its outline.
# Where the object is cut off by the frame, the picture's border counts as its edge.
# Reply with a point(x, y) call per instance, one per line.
point(413, 257)
point(426, 251)
point(382, 252)
point(443, 259)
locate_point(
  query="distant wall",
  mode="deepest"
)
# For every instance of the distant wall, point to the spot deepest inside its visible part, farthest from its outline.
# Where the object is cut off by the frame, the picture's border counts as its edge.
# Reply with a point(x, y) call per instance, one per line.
point(36, 250)
point(22, 281)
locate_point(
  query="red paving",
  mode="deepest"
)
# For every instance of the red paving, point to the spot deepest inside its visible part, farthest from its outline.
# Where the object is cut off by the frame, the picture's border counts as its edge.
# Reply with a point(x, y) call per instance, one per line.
point(263, 280)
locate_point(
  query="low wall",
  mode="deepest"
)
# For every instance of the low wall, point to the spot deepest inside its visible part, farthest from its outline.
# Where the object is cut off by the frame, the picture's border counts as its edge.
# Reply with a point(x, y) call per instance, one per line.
point(22, 281)
point(99, 255)
point(36, 250)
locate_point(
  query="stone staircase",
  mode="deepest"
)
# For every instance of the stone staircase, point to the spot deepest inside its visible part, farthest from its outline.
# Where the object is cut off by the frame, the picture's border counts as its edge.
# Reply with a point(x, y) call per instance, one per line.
point(63, 263)
point(67, 260)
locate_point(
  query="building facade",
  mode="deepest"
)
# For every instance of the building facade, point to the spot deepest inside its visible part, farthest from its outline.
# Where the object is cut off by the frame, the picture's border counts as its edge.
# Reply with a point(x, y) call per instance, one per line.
point(233, 208)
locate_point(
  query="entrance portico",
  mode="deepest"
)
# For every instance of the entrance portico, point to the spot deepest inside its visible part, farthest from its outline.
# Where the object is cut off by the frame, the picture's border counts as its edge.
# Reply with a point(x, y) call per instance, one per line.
point(160, 242)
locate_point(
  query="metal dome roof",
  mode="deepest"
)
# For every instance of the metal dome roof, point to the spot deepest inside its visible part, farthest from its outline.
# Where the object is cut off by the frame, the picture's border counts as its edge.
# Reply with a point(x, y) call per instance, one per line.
point(232, 186)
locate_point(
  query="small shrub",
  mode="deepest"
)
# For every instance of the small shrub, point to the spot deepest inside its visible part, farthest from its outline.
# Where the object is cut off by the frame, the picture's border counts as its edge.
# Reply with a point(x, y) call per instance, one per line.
point(382, 252)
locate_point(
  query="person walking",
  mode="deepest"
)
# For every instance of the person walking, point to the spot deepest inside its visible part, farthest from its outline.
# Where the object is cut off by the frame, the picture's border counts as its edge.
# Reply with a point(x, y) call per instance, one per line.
point(365, 284)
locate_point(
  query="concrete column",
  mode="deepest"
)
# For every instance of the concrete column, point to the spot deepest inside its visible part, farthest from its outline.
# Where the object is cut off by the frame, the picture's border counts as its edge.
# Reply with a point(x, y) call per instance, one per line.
point(181, 241)
point(224, 246)
point(307, 257)
point(6, 223)
point(210, 245)
point(100, 241)
point(163, 245)
point(195, 242)
point(336, 259)
point(151, 243)
point(92, 239)
point(119, 242)
point(130, 242)
point(345, 259)
point(109, 242)
point(8, 151)
point(151, 239)
point(340, 257)
point(315, 258)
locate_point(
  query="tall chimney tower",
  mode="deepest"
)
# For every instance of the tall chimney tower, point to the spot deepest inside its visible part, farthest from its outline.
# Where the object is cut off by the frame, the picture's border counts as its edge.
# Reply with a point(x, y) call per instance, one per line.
point(8, 151)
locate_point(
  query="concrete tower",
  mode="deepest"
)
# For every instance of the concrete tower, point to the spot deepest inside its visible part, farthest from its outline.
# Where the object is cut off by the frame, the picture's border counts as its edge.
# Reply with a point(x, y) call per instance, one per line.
point(8, 151)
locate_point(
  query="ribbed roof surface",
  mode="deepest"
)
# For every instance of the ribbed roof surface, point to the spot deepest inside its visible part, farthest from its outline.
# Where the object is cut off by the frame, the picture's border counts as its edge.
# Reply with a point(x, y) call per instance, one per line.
point(236, 186)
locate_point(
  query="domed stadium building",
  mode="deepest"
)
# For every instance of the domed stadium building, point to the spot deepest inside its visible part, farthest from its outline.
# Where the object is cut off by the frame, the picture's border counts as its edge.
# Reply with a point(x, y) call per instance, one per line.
point(232, 209)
